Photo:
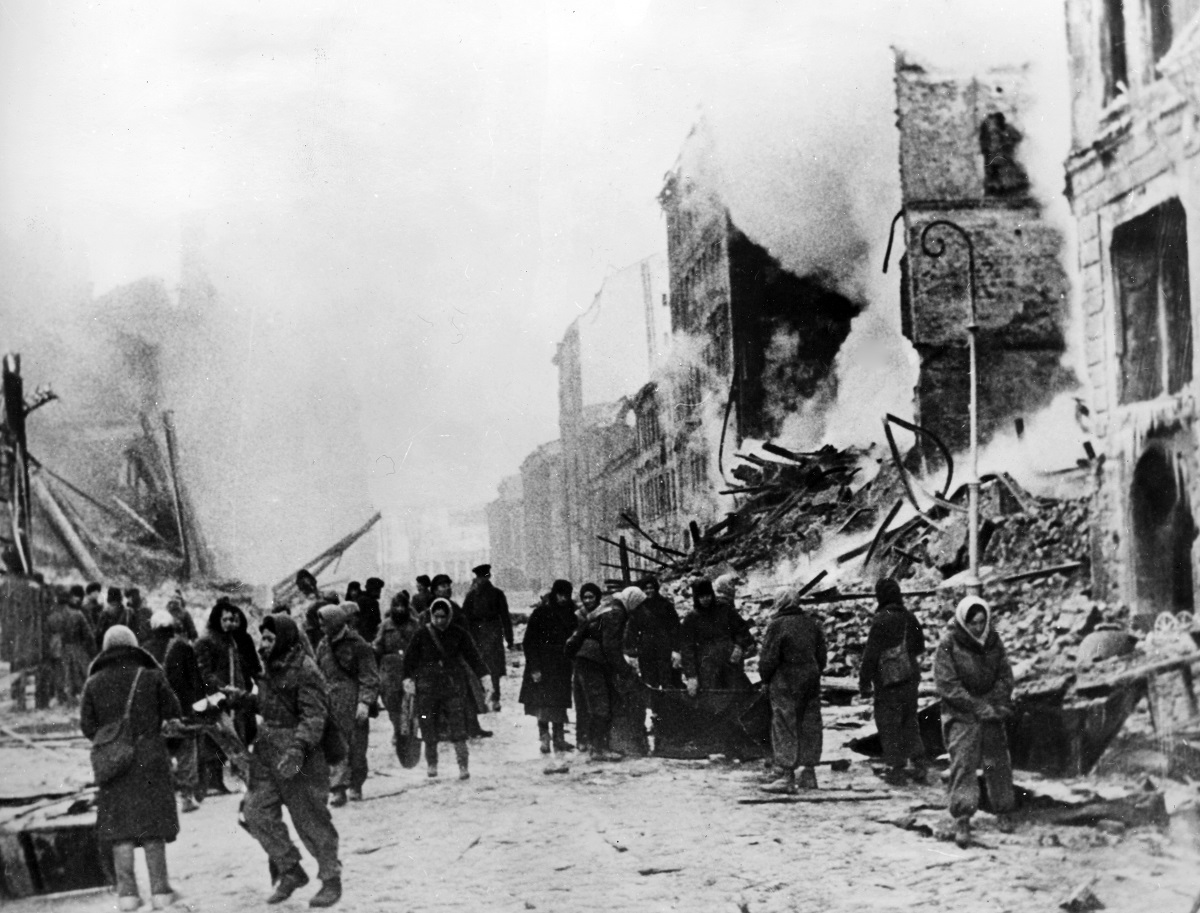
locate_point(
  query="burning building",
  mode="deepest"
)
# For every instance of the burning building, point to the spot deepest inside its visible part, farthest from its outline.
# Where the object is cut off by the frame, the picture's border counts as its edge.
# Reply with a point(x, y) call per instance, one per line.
point(961, 161)
point(1133, 179)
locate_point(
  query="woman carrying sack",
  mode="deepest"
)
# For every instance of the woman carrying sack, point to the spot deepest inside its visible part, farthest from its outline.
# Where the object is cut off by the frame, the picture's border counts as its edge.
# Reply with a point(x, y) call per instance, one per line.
point(891, 673)
point(125, 701)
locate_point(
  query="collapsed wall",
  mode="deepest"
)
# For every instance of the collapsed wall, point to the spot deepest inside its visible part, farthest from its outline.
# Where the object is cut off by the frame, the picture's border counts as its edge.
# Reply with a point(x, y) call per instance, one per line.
point(960, 160)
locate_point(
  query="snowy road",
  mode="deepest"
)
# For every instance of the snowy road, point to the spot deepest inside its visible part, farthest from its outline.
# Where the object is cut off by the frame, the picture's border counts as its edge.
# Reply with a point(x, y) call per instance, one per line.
point(651, 835)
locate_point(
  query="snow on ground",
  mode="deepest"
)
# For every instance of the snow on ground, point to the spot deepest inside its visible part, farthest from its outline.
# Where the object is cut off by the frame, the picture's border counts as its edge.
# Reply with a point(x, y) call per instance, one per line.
point(514, 839)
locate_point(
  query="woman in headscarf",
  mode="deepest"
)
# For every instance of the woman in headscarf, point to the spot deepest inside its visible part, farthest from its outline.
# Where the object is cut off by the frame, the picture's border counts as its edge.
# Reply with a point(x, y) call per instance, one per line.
point(716, 641)
point(137, 807)
point(975, 683)
point(606, 683)
point(546, 685)
point(391, 642)
point(227, 658)
point(432, 671)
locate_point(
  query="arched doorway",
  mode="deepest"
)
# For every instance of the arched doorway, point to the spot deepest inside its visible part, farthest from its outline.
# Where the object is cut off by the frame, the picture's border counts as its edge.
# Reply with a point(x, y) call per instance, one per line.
point(1163, 531)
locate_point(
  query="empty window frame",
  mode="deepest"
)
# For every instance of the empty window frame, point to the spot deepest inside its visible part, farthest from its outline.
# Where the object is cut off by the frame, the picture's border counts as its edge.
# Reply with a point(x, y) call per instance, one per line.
point(1149, 257)
point(1112, 49)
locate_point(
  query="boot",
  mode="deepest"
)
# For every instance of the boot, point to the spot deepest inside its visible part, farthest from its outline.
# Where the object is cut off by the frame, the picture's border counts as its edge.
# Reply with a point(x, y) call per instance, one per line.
point(919, 772)
point(560, 742)
point(808, 779)
point(338, 798)
point(431, 772)
point(162, 901)
point(544, 738)
point(462, 755)
point(355, 795)
point(962, 833)
point(785, 784)
point(894, 776)
point(330, 893)
point(187, 803)
point(129, 903)
point(289, 882)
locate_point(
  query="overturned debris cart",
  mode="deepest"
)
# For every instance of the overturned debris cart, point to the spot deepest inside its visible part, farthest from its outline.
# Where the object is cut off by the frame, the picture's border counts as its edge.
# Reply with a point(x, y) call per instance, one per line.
point(732, 723)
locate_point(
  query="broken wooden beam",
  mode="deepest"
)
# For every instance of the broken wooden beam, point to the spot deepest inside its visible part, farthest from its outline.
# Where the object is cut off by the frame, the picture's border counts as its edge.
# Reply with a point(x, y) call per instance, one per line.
point(1043, 572)
point(66, 530)
point(622, 544)
point(787, 454)
point(662, 548)
point(139, 520)
point(285, 587)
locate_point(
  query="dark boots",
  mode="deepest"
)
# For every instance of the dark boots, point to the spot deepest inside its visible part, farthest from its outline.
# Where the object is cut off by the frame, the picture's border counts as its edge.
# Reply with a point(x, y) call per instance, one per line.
point(289, 882)
point(330, 893)
point(462, 754)
point(601, 731)
point(560, 740)
point(544, 736)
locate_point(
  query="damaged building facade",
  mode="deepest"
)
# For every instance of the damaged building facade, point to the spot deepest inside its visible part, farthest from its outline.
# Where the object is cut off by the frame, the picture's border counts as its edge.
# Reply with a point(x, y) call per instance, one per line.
point(961, 160)
point(1133, 179)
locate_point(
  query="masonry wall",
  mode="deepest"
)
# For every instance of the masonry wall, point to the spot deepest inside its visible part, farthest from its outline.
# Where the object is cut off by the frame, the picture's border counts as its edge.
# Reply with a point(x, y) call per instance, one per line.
point(1133, 153)
point(960, 160)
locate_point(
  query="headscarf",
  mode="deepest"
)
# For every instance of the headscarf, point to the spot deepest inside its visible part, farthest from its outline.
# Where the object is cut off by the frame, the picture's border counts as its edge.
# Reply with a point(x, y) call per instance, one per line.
point(887, 592)
point(631, 597)
point(726, 584)
point(441, 601)
point(162, 619)
point(593, 589)
point(964, 609)
point(287, 635)
point(119, 636)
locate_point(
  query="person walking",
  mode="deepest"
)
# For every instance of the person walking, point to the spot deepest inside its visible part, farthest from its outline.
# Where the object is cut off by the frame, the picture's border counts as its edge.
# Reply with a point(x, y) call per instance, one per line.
point(135, 807)
point(393, 639)
point(369, 617)
point(791, 662)
point(348, 664)
point(716, 641)
point(71, 644)
point(601, 671)
point(432, 671)
point(422, 599)
point(443, 588)
point(114, 613)
point(288, 767)
point(546, 682)
point(651, 641)
point(975, 683)
point(186, 625)
point(590, 597)
point(486, 617)
point(891, 674)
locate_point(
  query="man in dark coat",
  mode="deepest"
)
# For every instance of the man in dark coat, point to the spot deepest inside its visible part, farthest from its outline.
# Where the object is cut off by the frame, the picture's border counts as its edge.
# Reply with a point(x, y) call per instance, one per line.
point(651, 641)
point(139, 612)
point(792, 660)
point(895, 633)
point(137, 807)
point(433, 674)
point(546, 685)
point(71, 644)
point(348, 664)
point(174, 652)
point(391, 642)
point(716, 641)
point(288, 766)
point(975, 683)
point(92, 608)
point(369, 618)
point(485, 613)
point(422, 598)
point(114, 613)
point(227, 659)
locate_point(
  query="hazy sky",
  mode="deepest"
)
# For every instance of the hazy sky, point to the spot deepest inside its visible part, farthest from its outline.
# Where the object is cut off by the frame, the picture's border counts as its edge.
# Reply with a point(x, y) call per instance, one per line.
point(420, 197)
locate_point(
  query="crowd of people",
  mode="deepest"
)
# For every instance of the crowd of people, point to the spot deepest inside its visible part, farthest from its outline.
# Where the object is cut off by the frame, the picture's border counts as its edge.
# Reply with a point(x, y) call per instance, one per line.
point(291, 714)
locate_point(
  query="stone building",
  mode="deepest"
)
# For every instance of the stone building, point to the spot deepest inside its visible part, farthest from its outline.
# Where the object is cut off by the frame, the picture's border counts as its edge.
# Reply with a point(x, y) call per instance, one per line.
point(961, 160)
point(1133, 177)
point(544, 502)
point(506, 535)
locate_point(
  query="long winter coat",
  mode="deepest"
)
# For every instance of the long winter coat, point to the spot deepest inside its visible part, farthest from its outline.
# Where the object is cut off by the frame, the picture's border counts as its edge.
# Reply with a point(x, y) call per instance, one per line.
point(367, 619)
point(72, 643)
point(486, 618)
point(139, 805)
point(708, 637)
point(348, 664)
point(652, 635)
point(442, 690)
point(793, 652)
point(226, 659)
point(391, 642)
point(972, 676)
point(550, 626)
point(892, 626)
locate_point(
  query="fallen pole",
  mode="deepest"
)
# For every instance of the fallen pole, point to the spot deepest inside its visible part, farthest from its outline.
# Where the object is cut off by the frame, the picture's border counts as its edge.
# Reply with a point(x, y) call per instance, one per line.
point(633, 551)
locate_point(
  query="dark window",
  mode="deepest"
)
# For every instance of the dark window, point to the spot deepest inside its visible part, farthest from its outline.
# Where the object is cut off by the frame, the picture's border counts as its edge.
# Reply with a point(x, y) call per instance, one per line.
point(1112, 49)
point(1149, 256)
point(1002, 173)
point(1158, 20)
